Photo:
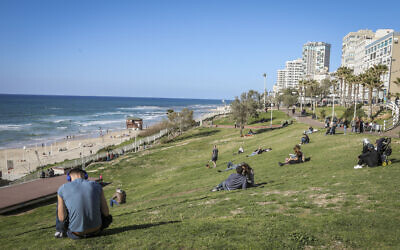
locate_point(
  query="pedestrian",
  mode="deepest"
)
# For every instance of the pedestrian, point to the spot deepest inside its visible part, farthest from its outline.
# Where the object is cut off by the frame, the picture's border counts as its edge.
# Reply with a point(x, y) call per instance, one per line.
point(345, 124)
point(214, 156)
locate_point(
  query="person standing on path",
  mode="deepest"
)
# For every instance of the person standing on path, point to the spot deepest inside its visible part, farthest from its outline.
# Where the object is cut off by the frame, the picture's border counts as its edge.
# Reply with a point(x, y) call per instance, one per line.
point(345, 125)
point(214, 156)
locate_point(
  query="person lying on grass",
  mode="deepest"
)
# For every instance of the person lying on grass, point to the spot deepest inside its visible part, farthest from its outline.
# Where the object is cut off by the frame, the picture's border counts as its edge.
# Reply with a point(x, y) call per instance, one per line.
point(234, 181)
point(259, 150)
point(297, 157)
point(82, 209)
point(246, 171)
point(371, 158)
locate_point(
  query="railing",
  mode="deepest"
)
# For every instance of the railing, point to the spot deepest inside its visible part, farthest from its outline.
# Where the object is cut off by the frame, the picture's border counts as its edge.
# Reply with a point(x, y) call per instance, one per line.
point(394, 120)
point(83, 161)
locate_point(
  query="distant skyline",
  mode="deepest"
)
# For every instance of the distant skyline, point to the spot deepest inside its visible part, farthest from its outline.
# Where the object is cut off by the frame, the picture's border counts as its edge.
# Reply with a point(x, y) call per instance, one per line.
point(170, 49)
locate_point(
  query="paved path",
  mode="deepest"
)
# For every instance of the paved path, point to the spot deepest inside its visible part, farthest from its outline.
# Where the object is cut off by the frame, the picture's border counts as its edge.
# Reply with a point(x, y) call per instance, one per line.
point(247, 127)
point(317, 124)
point(17, 196)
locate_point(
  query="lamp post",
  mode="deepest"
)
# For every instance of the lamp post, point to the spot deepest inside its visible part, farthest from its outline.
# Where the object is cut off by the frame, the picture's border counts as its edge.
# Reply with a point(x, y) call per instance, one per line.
point(265, 84)
point(270, 93)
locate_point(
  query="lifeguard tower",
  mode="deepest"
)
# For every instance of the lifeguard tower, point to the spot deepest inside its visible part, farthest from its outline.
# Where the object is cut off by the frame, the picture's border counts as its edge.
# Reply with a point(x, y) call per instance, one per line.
point(134, 122)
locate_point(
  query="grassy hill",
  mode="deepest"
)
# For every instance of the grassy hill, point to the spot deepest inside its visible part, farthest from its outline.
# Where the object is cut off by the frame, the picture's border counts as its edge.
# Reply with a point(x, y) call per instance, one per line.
point(321, 203)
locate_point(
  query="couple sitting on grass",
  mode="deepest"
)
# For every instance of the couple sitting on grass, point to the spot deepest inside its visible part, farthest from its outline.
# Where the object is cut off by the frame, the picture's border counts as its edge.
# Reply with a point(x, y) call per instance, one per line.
point(242, 179)
point(297, 157)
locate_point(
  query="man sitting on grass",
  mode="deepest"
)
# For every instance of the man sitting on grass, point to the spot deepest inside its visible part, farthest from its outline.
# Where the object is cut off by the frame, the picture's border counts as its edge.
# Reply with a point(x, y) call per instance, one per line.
point(82, 209)
point(371, 158)
point(234, 181)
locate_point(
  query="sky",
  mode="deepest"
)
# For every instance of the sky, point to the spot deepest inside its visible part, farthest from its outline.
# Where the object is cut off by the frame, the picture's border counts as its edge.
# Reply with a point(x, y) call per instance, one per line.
point(182, 49)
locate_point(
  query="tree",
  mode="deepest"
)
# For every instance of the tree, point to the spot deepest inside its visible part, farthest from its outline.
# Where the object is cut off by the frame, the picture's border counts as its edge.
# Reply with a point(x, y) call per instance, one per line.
point(180, 121)
point(244, 107)
point(372, 79)
point(341, 74)
point(290, 97)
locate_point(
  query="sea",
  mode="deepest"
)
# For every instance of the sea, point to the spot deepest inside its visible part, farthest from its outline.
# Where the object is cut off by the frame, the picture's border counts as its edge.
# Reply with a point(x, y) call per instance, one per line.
point(28, 120)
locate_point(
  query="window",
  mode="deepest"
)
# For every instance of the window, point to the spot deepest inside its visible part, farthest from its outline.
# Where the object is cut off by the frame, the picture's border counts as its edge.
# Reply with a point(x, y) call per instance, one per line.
point(390, 40)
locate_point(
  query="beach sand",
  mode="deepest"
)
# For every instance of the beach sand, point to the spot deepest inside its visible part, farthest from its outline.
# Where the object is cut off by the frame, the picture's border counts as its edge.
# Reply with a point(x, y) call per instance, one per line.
point(25, 161)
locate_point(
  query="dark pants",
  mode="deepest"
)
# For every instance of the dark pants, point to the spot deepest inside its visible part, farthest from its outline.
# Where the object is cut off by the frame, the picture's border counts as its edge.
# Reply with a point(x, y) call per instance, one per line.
point(62, 226)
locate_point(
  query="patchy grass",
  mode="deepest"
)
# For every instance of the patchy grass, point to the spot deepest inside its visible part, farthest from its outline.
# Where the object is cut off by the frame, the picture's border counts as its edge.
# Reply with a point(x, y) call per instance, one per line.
point(323, 203)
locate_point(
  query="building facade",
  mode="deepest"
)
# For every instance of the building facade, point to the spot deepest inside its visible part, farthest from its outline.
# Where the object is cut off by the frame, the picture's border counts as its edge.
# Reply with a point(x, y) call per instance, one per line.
point(294, 72)
point(386, 51)
point(316, 57)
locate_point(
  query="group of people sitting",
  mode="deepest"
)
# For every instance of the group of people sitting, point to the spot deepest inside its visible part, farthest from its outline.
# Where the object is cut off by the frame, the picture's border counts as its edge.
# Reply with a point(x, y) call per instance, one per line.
point(49, 173)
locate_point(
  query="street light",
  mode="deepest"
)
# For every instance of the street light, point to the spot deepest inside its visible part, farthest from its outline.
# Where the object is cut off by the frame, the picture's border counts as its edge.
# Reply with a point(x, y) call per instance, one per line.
point(270, 93)
point(265, 84)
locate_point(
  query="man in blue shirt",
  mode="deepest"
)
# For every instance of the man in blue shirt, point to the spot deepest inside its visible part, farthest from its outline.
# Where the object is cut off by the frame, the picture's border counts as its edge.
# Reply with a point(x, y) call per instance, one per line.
point(82, 209)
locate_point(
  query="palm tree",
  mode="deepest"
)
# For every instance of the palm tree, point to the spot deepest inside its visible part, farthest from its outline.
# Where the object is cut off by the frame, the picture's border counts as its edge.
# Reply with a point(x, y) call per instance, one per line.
point(373, 81)
point(302, 84)
point(341, 73)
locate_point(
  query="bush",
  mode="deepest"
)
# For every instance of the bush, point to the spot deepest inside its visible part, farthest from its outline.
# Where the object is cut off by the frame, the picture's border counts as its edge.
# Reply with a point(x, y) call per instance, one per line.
point(323, 113)
point(154, 129)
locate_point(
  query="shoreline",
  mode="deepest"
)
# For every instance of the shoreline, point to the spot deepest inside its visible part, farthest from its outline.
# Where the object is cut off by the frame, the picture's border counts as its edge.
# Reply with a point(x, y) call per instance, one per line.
point(26, 160)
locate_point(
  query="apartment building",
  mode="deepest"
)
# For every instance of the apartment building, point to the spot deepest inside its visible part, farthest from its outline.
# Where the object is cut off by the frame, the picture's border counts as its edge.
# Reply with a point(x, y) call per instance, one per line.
point(316, 57)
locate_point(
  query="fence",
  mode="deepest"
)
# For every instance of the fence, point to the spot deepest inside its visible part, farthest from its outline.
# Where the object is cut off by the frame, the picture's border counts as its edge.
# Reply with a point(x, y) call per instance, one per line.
point(135, 146)
point(84, 161)
point(394, 120)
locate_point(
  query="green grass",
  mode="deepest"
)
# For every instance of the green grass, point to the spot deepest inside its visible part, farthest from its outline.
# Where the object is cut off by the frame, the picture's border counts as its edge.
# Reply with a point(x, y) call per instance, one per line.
point(323, 203)
point(264, 118)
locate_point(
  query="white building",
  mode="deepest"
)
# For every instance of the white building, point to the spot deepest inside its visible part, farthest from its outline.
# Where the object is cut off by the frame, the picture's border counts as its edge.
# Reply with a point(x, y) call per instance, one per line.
point(293, 73)
point(353, 49)
point(316, 57)
point(385, 50)
point(281, 79)
point(362, 49)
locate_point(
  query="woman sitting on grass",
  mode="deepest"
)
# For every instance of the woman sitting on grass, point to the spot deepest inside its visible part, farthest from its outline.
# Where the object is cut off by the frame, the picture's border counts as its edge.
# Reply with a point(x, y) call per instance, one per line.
point(297, 157)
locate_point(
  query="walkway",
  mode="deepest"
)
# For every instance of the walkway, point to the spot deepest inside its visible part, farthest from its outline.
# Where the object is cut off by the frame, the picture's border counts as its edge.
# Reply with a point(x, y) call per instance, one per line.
point(247, 127)
point(21, 195)
point(317, 124)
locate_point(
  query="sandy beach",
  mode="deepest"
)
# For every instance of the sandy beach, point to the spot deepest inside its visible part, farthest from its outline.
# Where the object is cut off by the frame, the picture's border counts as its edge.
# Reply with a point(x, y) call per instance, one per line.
point(25, 161)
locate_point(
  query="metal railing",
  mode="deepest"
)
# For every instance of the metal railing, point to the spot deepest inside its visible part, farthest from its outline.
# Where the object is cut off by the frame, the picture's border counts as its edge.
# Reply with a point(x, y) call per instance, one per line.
point(394, 120)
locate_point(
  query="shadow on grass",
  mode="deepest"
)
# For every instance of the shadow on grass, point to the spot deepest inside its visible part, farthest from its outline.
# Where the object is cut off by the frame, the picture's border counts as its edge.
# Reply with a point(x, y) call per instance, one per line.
point(162, 205)
point(38, 229)
point(135, 227)
point(263, 130)
point(196, 135)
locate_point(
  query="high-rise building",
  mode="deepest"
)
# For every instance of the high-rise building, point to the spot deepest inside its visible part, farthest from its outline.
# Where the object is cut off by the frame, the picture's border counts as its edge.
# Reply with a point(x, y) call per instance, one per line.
point(316, 57)
point(294, 73)
point(386, 51)
point(353, 49)
point(364, 48)
point(281, 79)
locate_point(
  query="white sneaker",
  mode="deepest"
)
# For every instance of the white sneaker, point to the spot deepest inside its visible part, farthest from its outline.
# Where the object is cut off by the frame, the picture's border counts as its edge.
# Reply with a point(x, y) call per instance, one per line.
point(58, 235)
point(357, 166)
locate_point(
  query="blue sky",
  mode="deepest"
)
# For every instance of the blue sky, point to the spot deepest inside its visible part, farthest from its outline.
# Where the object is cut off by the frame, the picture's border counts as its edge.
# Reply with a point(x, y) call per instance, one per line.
point(185, 49)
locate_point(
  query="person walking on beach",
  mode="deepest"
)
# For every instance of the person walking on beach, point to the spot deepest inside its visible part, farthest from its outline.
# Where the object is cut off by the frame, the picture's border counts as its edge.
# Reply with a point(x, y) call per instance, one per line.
point(214, 156)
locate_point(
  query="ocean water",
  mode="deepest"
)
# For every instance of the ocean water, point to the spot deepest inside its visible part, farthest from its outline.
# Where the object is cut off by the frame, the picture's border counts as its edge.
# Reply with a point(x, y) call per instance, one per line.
point(27, 120)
